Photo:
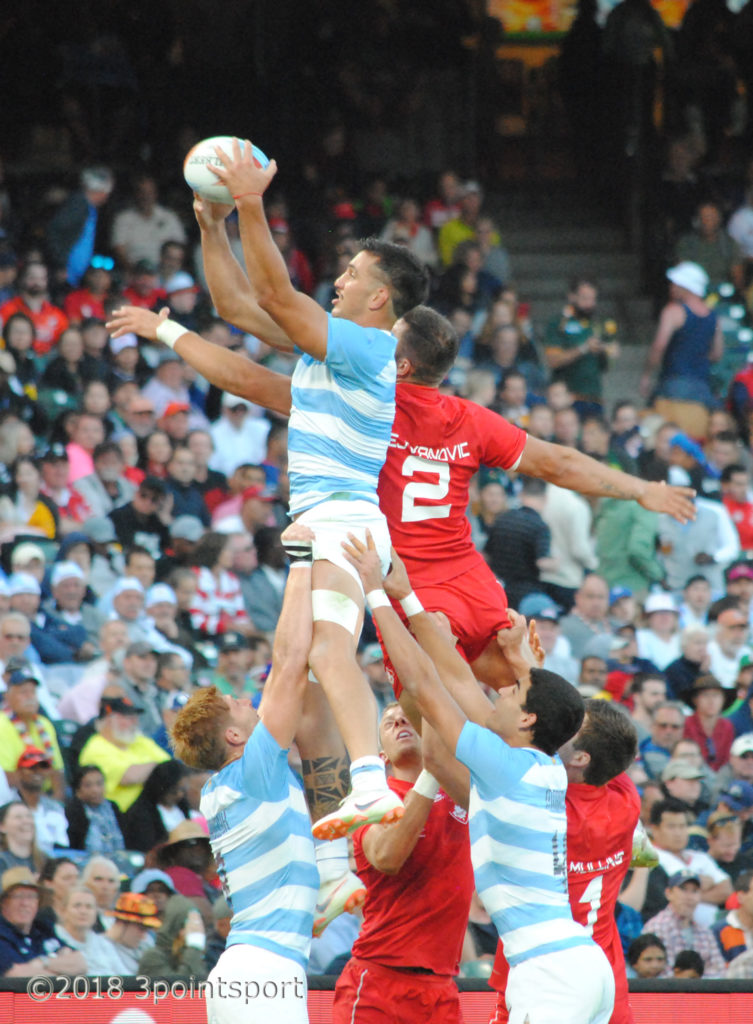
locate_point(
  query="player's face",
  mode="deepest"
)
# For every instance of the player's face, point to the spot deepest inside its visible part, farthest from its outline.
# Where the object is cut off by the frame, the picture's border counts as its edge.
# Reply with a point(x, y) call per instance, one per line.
point(242, 713)
point(397, 736)
point(506, 717)
point(356, 287)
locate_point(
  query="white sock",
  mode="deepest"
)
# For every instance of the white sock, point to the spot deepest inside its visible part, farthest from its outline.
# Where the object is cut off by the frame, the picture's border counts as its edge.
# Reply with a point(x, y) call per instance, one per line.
point(331, 858)
point(367, 774)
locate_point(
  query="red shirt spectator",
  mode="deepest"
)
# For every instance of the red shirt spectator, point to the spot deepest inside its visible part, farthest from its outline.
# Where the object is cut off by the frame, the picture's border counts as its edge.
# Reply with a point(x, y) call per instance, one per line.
point(735, 484)
point(710, 731)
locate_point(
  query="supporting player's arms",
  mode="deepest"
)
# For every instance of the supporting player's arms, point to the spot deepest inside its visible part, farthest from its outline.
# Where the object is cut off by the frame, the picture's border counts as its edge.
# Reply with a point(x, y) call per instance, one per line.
point(302, 319)
point(232, 293)
point(282, 703)
point(387, 847)
point(413, 666)
point(452, 776)
point(567, 467)
point(227, 370)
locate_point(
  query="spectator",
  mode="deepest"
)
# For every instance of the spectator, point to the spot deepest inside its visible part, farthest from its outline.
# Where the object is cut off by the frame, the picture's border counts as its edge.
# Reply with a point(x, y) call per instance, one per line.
point(218, 603)
point(75, 929)
point(143, 289)
point(740, 765)
point(740, 229)
point(33, 300)
point(676, 923)
point(233, 661)
point(577, 348)
point(58, 876)
point(742, 716)
point(648, 690)
point(50, 825)
point(666, 728)
point(19, 335)
point(683, 781)
point(659, 641)
point(182, 298)
point(739, 584)
point(519, 544)
point(160, 807)
point(127, 937)
point(725, 841)
point(589, 615)
point(568, 517)
point(296, 260)
point(696, 600)
point(93, 821)
point(693, 661)
point(26, 506)
point(88, 432)
point(72, 232)
point(98, 493)
point(238, 437)
point(155, 884)
point(688, 339)
point(714, 734)
point(646, 957)
point(101, 876)
point(168, 387)
point(729, 645)
point(89, 300)
point(179, 944)
point(139, 231)
point(186, 857)
point(626, 545)
point(446, 204)
point(262, 594)
point(138, 685)
point(22, 725)
point(669, 834)
point(27, 948)
point(737, 799)
point(138, 521)
point(124, 754)
point(710, 247)
point(187, 497)
point(18, 847)
point(688, 964)
point(463, 226)
point(210, 482)
point(734, 932)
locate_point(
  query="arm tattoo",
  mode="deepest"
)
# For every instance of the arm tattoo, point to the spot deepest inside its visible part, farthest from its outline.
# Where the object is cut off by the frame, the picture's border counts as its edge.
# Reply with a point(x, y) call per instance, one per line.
point(326, 780)
point(610, 490)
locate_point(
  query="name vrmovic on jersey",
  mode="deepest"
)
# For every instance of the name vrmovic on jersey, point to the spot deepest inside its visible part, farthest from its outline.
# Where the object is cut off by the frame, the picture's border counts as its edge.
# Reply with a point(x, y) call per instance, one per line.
point(582, 867)
point(446, 454)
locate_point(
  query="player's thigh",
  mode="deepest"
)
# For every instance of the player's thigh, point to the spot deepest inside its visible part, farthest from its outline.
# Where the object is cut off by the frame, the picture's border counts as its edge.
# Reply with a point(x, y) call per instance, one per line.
point(251, 983)
point(574, 986)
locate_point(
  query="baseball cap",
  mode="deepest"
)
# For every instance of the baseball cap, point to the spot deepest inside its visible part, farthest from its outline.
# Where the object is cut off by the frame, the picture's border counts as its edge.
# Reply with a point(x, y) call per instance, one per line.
point(659, 603)
point(166, 355)
point(141, 882)
point(691, 276)
point(742, 745)
point(230, 401)
point(172, 408)
point(738, 796)
point(470, 188)
point(99, 529)
point(732, 617)
point(532, 605)
point(159, 593)
point(55, 453)
point(15, 878)
point(258, 492)
point(188, 528)
point(33, 756)
point(617, 593)
point(123, 342)
point(681, 877)
point(117, 706)
point(66, 571)
point(21, 676)
point(23, 583)
point(138, 909)
point(180, 282)
point(231, 642)
point(677, 769)
point(26, 552)
point(140, 648)
point(604, 645)
point(127, 583)
point(741, 571)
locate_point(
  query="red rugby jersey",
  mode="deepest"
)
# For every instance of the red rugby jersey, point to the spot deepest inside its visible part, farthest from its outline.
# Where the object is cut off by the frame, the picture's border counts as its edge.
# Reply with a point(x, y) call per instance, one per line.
point(438, 443)
point(418, 917)
point(601, 821)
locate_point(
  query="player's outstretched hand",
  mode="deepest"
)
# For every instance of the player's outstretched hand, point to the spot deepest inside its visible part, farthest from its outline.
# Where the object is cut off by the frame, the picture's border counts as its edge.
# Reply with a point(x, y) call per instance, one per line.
point(363, 557)
point(298, 539)
point(396, 582)
point(209, 214)
point(240, 173)
point(675, 501)
point(134, 320)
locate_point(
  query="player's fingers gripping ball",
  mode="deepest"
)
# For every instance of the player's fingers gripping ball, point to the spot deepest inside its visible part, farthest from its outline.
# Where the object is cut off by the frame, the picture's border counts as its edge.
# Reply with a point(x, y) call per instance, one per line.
point(201, 157)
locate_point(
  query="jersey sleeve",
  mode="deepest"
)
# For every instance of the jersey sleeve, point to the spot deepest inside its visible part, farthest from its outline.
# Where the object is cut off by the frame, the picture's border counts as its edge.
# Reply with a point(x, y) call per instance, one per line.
point(502, 443)
point(358, 353)
point(264, 766)
point(485, 754)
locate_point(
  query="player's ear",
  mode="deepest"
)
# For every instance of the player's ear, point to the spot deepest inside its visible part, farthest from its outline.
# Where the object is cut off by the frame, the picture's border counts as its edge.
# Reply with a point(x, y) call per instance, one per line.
point(384, 757)
point(379, 298)
point(404, 367)
point(579, 759)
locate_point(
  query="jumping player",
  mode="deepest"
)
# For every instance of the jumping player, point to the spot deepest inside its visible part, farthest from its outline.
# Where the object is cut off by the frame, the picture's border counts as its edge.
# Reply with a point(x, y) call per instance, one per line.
point(558, 975)
point(419, 882)
point(259, 825)
point(343, 390)
point(602, 813)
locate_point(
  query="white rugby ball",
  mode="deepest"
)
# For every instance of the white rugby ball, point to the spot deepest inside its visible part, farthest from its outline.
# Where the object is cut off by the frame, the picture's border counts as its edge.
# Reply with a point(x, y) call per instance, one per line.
point(202, 155)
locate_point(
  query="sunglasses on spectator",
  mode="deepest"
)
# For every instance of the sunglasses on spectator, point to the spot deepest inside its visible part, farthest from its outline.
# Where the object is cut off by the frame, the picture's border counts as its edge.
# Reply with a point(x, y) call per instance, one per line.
point(102, 263)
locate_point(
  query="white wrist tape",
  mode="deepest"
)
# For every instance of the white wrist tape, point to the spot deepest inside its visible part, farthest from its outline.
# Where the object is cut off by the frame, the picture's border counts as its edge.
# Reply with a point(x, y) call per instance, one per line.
point(426, 785)
point(168, 332)
point(377, 599)
point(411, 605)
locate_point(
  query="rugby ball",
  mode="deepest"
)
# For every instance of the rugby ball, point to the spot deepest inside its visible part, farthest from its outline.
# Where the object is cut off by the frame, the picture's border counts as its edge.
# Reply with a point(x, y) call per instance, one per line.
point(199, 159)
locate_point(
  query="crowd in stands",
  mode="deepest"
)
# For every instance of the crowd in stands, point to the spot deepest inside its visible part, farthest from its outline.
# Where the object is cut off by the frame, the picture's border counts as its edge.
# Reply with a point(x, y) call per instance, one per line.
point(140, 556)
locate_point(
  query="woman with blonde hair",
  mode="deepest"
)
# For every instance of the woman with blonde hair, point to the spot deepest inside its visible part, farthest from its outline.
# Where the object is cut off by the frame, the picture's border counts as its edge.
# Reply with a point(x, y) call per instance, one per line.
point(75, 928)
point(18, 846)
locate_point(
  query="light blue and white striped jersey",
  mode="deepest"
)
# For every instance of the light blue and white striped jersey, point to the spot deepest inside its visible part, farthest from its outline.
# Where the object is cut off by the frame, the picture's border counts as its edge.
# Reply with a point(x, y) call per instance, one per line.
point(341, 417)
point(260, 831)
point(518, 829)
